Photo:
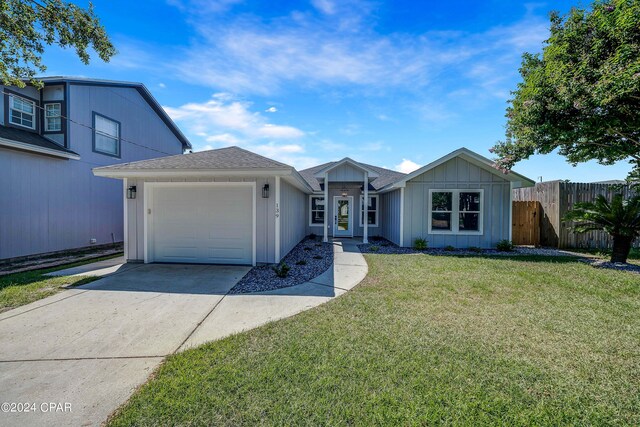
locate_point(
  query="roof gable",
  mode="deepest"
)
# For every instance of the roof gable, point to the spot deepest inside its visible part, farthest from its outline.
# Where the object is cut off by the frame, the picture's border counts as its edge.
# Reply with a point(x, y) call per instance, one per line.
point(471, 157)
point(346, 161)
point(142, 90)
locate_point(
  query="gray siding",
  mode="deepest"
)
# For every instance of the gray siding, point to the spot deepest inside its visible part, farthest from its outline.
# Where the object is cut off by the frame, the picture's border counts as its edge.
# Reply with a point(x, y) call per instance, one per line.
point(390, 211)
point(292, 217)
point(50, 204)
point(346, 173)
point(458, 174)
point(265, 214)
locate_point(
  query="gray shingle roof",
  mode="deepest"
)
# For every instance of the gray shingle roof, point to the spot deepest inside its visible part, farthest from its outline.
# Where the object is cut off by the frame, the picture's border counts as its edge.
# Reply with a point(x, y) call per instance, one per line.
point(31, 138)
point(386, 176)
point(222, 158)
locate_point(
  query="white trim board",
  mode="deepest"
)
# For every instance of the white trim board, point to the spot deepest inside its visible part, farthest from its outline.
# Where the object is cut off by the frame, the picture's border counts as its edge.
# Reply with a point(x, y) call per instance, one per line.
point(35, 149)
point(149, 186)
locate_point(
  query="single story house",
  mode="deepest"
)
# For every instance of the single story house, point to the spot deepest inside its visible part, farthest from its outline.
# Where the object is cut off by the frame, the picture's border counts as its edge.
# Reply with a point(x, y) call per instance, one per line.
point(232, 206)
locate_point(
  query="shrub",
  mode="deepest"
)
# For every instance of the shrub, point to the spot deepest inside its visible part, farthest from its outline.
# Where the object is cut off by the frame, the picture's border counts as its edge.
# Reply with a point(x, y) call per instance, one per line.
point(420, 243)
point(449, 248)
point(474, 249)
point(313, 236)
point(505, 245)
point(317, 257)
point(318, 244)
point(301, 262)
point(308, 248)
point(374, 248)
point(282, 270)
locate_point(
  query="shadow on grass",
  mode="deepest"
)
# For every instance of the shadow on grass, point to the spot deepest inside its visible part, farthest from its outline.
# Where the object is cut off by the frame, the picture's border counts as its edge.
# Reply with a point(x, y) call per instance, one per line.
point(33, 276)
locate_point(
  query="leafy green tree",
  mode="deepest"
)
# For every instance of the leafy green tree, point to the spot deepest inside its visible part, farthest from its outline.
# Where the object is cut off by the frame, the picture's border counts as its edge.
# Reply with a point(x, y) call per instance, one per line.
point(620, 218)
point(27, 26)
point(581, 95)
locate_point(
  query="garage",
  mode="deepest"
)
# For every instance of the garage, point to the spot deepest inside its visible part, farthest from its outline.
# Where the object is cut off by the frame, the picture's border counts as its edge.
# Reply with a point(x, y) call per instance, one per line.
point(200, 223)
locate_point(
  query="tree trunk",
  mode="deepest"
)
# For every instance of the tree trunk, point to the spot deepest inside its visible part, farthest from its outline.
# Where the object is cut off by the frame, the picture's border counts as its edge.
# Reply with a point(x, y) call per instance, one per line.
point(621, 248)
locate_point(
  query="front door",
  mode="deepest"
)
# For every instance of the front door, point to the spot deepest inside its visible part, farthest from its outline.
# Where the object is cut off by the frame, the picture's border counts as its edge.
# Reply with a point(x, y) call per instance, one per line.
point(342, 216)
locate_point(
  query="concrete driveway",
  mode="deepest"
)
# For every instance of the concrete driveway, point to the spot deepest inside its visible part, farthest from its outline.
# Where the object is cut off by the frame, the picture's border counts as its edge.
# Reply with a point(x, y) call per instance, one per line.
point(91, 346)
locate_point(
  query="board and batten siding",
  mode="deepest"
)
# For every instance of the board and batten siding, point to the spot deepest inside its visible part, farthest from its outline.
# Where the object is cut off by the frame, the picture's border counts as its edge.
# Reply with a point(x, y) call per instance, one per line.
point(458, 174)
point(265, 214)
point(390, 216)
point(292, 217)
point(49, 204)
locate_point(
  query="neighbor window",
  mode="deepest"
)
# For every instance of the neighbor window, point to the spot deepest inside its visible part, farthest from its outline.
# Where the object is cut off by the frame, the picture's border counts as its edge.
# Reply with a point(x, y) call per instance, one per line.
point(316, 210)
point(22, 112)
point(456, 211)
point(106, 138)
point(371, 212)
point(52, 117)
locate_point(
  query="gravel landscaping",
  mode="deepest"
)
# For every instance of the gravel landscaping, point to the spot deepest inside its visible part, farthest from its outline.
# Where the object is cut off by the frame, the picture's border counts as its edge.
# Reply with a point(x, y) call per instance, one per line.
point(307, 260)
point(383, 246)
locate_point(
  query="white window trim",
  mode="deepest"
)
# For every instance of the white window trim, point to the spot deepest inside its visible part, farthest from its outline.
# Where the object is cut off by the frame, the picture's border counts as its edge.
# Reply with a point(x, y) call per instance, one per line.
point(46, 118)
point(455, 212)
point(377, 210)
point(35, 115)
point(312, 224)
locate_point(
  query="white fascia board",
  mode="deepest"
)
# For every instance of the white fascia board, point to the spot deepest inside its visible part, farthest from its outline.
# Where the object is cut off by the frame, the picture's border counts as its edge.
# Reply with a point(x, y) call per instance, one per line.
point(184, 173)
point(35, 149)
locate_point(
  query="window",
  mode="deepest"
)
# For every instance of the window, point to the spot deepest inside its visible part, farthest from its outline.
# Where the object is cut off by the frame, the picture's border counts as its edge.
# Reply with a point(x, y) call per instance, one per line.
point(455, 211)
point(316, 210)
point(106, 135)
point(52, 117)
point(372, 211)
point(22, 112)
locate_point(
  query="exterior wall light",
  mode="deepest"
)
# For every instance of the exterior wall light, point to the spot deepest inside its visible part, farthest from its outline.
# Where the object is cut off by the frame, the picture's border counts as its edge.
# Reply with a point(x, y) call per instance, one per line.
point(265, 191)
point(131, 192)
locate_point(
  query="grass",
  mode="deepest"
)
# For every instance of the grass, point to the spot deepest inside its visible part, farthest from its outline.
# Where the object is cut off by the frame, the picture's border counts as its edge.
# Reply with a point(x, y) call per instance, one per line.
point(423, 340)
point(23, 288)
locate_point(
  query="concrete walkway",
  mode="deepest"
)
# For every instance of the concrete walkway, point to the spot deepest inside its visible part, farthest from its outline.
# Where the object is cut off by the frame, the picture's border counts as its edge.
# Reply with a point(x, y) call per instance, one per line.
point(91, 346)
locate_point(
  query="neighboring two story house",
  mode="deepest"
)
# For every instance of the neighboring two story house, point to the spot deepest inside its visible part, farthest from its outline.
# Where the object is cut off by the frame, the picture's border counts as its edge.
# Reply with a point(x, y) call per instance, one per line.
point(50, 140)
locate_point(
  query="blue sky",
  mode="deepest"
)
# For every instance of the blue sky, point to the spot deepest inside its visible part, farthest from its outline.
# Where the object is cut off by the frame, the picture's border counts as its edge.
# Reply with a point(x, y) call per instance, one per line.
point(396, 83)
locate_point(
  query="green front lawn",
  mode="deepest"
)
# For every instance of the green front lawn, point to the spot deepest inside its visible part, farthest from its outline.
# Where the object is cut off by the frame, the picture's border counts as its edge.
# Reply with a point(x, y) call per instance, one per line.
point(424, 340)
point(23, 288)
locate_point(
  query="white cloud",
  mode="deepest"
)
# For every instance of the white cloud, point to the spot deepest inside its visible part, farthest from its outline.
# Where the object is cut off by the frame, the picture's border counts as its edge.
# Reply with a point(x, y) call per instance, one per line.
point(407, 166)
point(325, 6)
point(162, 85)
point(228, 120)
point(271, 110)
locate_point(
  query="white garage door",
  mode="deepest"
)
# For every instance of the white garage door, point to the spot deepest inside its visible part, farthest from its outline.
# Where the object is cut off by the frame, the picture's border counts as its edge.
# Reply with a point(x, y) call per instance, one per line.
point(201, 224)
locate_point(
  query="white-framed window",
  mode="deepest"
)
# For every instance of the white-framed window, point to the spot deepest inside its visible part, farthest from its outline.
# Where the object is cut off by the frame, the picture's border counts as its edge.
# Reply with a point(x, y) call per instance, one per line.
point(53, 117)
point(316, 210)
point(455, 211)
point(371, 213)
point(106, 135)
point(22, 112)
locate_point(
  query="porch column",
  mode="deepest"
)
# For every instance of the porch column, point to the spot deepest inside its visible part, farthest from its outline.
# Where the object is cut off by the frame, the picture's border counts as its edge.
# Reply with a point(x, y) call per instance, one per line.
point(365, 209)
point(326, 207)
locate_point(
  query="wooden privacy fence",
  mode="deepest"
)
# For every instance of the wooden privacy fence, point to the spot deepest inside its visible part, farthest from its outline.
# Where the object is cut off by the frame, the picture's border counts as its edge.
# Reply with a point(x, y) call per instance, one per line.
point(526, 223)
point(556, 198)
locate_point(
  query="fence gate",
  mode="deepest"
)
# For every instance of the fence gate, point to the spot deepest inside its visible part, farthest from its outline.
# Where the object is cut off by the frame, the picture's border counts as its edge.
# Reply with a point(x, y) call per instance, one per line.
point(526, 223)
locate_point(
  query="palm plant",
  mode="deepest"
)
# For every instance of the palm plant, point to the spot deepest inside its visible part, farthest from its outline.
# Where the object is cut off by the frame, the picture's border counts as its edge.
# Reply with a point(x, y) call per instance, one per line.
point(620, 218)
